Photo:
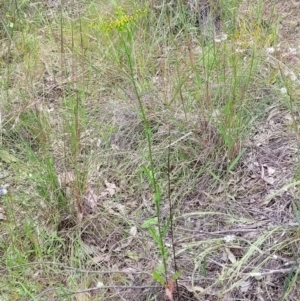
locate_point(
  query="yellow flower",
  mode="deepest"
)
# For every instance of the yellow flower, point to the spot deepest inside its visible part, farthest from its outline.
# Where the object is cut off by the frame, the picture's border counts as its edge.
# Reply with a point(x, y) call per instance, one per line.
point(120, 20)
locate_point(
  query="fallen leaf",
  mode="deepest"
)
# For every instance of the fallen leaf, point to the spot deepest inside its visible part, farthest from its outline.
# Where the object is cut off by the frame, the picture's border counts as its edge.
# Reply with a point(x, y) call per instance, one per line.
point(65, 178)
point(100, 284)
point(121, 208)
point(130, 273)
point(6, 157)
point(104, 193)
point(269, 180)
point(244, 286)
point(271, 170)
point(111, 188)
point(133, 255)
point(2, 217)
point(230, 255)
point(90, 249)
point(90, 200)
point(114, 208)
point(193, 289)
point(133, 231)
point(237, 251)
point(124, 245)
point(229, 238)
point(79, 216)
point(100, 258)
point(83, 297)
point(98, 142)
point(224, 257)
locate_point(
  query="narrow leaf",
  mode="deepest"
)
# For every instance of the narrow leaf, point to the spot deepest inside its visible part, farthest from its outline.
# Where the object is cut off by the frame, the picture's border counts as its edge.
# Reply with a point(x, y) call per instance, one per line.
point(158, 277)
point(236, 160)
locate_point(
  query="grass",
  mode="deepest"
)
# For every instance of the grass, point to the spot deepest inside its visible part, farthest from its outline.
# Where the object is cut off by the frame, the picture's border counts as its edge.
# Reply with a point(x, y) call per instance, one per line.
point(146, 154)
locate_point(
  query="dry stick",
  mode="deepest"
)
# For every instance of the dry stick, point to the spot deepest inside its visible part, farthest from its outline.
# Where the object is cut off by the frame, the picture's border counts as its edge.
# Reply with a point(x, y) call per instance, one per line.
point(255, 274)
point(283, 271)
point(70, 292)
point(181, 138)
point(76, 269)
point(171, 219)
point(237, 230)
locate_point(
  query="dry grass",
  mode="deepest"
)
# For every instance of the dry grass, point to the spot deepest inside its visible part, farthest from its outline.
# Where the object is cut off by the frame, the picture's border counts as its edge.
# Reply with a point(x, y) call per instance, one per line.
point(221, 115)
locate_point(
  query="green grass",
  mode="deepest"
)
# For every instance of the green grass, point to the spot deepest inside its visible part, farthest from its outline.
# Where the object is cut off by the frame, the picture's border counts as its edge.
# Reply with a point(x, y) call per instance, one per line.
point(182, 135)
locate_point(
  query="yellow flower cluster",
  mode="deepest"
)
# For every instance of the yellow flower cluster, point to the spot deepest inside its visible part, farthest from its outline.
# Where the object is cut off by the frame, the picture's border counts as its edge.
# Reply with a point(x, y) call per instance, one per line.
point(121, 20)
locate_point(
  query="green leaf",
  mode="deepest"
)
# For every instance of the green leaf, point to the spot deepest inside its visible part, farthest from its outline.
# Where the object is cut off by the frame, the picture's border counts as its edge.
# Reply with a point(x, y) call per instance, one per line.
point(166, 227)
point(158, 277)
point(149, 175)
point(157, 196)
point(296, 212)
point(149, 222)
point(176, 275)
point(6, 157)
point(236, 160)
point(155, 235)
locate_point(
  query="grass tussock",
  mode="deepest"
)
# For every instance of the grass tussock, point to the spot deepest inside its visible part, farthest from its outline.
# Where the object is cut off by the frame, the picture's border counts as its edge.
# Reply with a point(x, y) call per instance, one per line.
point(148, 152)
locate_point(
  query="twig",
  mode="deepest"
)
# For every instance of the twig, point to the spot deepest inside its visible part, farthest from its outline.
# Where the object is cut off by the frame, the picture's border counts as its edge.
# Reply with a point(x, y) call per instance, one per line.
point(70, 292)
point(271, 272)
point(76, 269)
point(238, 230)
point(179, 139)
point(171, 220)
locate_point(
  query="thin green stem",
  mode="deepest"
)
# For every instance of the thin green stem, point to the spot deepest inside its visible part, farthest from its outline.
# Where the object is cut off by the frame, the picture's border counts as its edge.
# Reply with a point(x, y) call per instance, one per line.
point(148, 135)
